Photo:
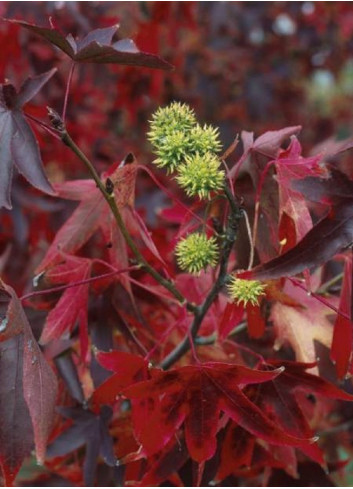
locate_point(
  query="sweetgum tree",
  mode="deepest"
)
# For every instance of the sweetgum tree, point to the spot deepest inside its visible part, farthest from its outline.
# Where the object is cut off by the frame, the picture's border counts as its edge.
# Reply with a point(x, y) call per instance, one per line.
point(178, 347)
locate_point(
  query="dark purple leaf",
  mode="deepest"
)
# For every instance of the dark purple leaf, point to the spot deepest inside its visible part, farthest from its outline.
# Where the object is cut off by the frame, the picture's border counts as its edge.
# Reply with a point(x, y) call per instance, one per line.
point(96, 47)
point(75, 436)
point(90, 430)
point(18, 144)
point(16, 434)
point(39, 389)
point(68, 371)
point(327, 190)
point(102, 36)
point(40, 385)
point(32, 86)
point(51, 35)
point(329, 236)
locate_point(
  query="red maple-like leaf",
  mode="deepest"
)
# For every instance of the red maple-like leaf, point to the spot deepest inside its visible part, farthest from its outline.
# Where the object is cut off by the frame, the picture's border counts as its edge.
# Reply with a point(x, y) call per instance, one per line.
point(282, 399)
point(195, 396)
point(128, 369)
point(242, 456)
point(97, 47)
point(93, 213)
point(18, 144)
point(341, 348)
point(73, 304)
point(291, 165)
point(231, 317)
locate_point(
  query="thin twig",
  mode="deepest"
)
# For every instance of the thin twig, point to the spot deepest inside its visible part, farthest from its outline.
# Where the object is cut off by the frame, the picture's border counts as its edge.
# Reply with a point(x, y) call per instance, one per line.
point(319, 298)
point(172, 197)
point(252, 250)
point(327, 285)
point(43, 125)
point(257, 200)
point(67, 91)
point(76, 284)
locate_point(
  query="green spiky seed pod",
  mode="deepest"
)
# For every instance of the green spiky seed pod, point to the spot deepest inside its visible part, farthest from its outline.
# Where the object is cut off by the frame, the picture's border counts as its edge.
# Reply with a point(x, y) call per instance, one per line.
point(200, 175)
point(245, 291)
point(166, 120)
point(172, 151)
point(205, 139)
point(195, 252)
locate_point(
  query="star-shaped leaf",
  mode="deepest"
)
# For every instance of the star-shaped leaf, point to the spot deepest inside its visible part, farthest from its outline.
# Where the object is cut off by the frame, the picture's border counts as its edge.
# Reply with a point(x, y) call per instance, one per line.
point(97, 47)
point(128, 369)
point(18, 145)
point(195, 396)
point(90, 430)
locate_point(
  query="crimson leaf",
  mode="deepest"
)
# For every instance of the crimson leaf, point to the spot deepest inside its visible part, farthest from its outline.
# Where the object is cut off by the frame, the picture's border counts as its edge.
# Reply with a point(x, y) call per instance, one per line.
point(128, 369)
point(341, 348)
point(195, 396)
point(73, 304)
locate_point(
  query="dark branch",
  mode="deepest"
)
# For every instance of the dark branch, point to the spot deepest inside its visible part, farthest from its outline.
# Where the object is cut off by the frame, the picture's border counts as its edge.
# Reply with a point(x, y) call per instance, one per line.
point(229, 239)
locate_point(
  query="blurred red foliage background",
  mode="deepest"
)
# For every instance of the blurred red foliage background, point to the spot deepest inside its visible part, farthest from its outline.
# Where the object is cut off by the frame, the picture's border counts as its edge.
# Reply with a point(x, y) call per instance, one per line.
point(253, 66)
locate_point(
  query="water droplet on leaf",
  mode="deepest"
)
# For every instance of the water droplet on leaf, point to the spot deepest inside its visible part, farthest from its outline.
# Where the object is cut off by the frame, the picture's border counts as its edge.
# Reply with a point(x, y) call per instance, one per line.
point(3, 324)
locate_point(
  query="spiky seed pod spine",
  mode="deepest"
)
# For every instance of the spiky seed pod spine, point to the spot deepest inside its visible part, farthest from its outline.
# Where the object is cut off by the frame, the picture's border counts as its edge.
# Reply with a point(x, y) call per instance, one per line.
point(205, 139)
point(195, 252)
point(200, 175)
point(166, 120)
point(245, 291)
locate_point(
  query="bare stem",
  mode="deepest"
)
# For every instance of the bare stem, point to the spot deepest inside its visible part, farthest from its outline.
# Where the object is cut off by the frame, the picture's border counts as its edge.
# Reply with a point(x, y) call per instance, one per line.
point(318, 297)
point(252, 249)
point(327, 285)
point(68, 84)
point(43, 126)
point(76, 284)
